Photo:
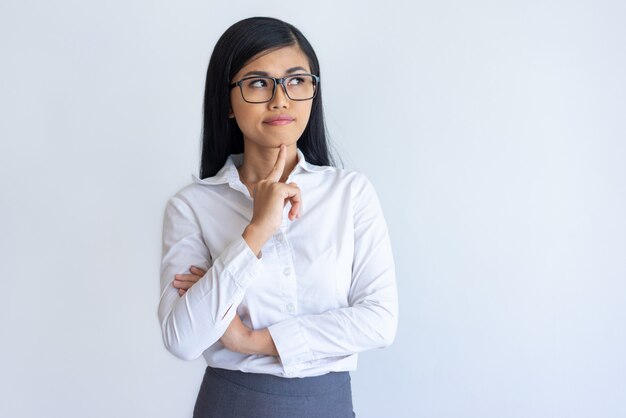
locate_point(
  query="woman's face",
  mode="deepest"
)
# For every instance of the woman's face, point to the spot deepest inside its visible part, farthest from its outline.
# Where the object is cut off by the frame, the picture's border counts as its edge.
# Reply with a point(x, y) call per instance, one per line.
point(252, 118)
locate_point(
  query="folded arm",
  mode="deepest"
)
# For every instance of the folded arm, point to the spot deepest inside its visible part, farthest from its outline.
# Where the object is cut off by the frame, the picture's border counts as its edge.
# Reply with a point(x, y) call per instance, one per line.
point(192, 323)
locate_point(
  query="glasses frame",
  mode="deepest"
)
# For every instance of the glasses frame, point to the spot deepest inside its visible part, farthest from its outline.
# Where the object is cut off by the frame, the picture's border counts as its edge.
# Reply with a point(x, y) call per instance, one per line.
point(277, 81)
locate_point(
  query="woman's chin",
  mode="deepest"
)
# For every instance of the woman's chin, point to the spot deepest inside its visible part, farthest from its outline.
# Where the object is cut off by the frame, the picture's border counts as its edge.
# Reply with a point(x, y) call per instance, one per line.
point(272, 141)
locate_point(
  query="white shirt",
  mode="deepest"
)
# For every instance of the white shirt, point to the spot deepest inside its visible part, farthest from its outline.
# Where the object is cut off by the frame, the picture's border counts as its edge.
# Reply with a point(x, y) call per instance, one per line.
point(324, 285)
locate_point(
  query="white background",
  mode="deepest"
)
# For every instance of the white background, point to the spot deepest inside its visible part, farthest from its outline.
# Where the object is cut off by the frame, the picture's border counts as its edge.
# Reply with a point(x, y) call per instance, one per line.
point(494, 133)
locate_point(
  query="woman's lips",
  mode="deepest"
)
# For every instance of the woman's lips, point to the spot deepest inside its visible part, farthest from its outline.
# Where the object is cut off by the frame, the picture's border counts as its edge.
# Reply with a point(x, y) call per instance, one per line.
point(280, 122)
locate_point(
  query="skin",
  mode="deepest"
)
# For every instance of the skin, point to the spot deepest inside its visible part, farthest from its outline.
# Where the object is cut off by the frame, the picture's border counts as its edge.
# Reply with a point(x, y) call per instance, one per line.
point(270, 154)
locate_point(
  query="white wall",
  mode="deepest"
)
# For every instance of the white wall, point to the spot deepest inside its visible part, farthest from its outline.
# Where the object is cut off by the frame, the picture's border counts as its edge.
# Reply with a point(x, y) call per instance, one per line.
point(494, 133)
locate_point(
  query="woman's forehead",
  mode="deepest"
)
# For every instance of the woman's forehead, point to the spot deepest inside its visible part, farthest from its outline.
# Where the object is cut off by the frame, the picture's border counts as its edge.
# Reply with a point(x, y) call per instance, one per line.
point(277, 61)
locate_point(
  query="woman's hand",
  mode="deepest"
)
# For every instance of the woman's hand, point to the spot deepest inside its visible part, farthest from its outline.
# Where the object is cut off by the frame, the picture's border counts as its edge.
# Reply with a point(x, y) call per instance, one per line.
point(270, 197)
point(183, 282)
point(237, 336)
point(242, 339)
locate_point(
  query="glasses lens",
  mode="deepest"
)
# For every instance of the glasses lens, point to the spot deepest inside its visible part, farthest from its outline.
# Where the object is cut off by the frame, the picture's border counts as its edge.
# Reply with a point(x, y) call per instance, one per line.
point(260, 89)
point(257, 90)
point(300, 87)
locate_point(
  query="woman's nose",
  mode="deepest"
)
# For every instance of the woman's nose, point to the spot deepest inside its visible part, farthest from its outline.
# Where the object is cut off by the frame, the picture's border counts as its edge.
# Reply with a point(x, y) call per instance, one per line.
point(280, 97)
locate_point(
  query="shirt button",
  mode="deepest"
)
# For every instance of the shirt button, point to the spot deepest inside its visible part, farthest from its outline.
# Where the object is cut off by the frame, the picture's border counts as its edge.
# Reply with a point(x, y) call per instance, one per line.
point(286, 271)
point(290, 307)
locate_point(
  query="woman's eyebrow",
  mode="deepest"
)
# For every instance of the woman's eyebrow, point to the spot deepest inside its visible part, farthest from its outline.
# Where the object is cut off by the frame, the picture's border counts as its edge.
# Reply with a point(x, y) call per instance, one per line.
point(264, 73)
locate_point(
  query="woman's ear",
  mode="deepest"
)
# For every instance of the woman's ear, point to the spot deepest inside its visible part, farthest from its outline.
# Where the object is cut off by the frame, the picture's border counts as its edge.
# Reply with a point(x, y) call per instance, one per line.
point(231, 114)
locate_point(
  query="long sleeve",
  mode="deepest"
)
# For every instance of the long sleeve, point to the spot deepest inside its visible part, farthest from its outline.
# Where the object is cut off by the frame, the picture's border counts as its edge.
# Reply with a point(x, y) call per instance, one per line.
point(370, 321)
point(192, 323)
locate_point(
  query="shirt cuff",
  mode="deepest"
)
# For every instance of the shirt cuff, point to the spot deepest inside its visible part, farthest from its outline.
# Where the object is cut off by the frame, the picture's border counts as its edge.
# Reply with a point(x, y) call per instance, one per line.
point(291, 345)
point(240, 262)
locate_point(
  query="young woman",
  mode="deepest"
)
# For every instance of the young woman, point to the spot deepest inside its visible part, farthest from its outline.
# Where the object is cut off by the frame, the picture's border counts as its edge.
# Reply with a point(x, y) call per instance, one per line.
point(276, 265)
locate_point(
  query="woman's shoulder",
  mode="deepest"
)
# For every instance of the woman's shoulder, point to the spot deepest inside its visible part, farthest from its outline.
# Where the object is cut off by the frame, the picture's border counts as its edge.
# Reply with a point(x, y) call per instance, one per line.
point(327, 172)
point(353, 177)
point(340, 182)
point(348, 174)
point(195, 190)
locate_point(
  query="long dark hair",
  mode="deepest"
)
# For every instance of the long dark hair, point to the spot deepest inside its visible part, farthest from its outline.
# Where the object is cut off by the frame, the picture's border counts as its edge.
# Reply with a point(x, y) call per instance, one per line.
point(220, 134)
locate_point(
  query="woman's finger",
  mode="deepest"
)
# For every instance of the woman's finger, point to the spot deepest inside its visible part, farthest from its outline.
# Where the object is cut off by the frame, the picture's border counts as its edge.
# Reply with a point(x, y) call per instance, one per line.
point(182, 285)
point(185, 281)
point(197, 271)
point(187, 277)
point(295, 197)
point(279, 167)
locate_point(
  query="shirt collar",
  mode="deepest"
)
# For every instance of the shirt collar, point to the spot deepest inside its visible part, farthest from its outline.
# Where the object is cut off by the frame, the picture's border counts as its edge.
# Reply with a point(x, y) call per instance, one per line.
point(229, 174)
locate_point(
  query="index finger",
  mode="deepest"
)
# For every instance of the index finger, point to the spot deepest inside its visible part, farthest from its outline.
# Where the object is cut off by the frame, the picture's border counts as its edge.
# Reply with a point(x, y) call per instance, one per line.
point(279, 167)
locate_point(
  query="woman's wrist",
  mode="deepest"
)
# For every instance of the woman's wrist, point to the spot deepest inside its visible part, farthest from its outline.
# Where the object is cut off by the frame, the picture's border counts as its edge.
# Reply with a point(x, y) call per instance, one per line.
point(255, 238)
point(261, 342)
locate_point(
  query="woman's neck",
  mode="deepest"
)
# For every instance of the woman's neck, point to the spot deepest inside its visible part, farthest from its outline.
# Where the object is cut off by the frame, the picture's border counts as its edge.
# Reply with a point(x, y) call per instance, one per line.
point(259, 161)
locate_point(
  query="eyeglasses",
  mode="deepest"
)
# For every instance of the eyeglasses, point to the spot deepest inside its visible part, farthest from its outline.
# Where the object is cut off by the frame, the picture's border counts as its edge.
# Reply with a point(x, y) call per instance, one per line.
point(261, 89)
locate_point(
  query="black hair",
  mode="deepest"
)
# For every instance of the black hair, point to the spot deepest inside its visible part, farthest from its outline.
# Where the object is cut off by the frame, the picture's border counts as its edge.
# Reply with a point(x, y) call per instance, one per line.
point(221, 135)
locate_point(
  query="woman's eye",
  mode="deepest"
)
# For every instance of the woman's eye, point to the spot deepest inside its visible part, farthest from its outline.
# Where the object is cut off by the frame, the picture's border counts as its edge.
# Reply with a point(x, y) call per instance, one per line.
point(295, 81)
point(258, 83)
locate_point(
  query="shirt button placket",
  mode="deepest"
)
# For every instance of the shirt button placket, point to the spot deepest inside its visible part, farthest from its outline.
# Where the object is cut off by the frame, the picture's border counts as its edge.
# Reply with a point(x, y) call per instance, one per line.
point(289, 284)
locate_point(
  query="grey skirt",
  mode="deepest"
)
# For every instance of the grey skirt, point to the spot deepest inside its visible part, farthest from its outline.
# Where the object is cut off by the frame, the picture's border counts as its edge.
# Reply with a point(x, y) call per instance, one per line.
point(235, 394)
